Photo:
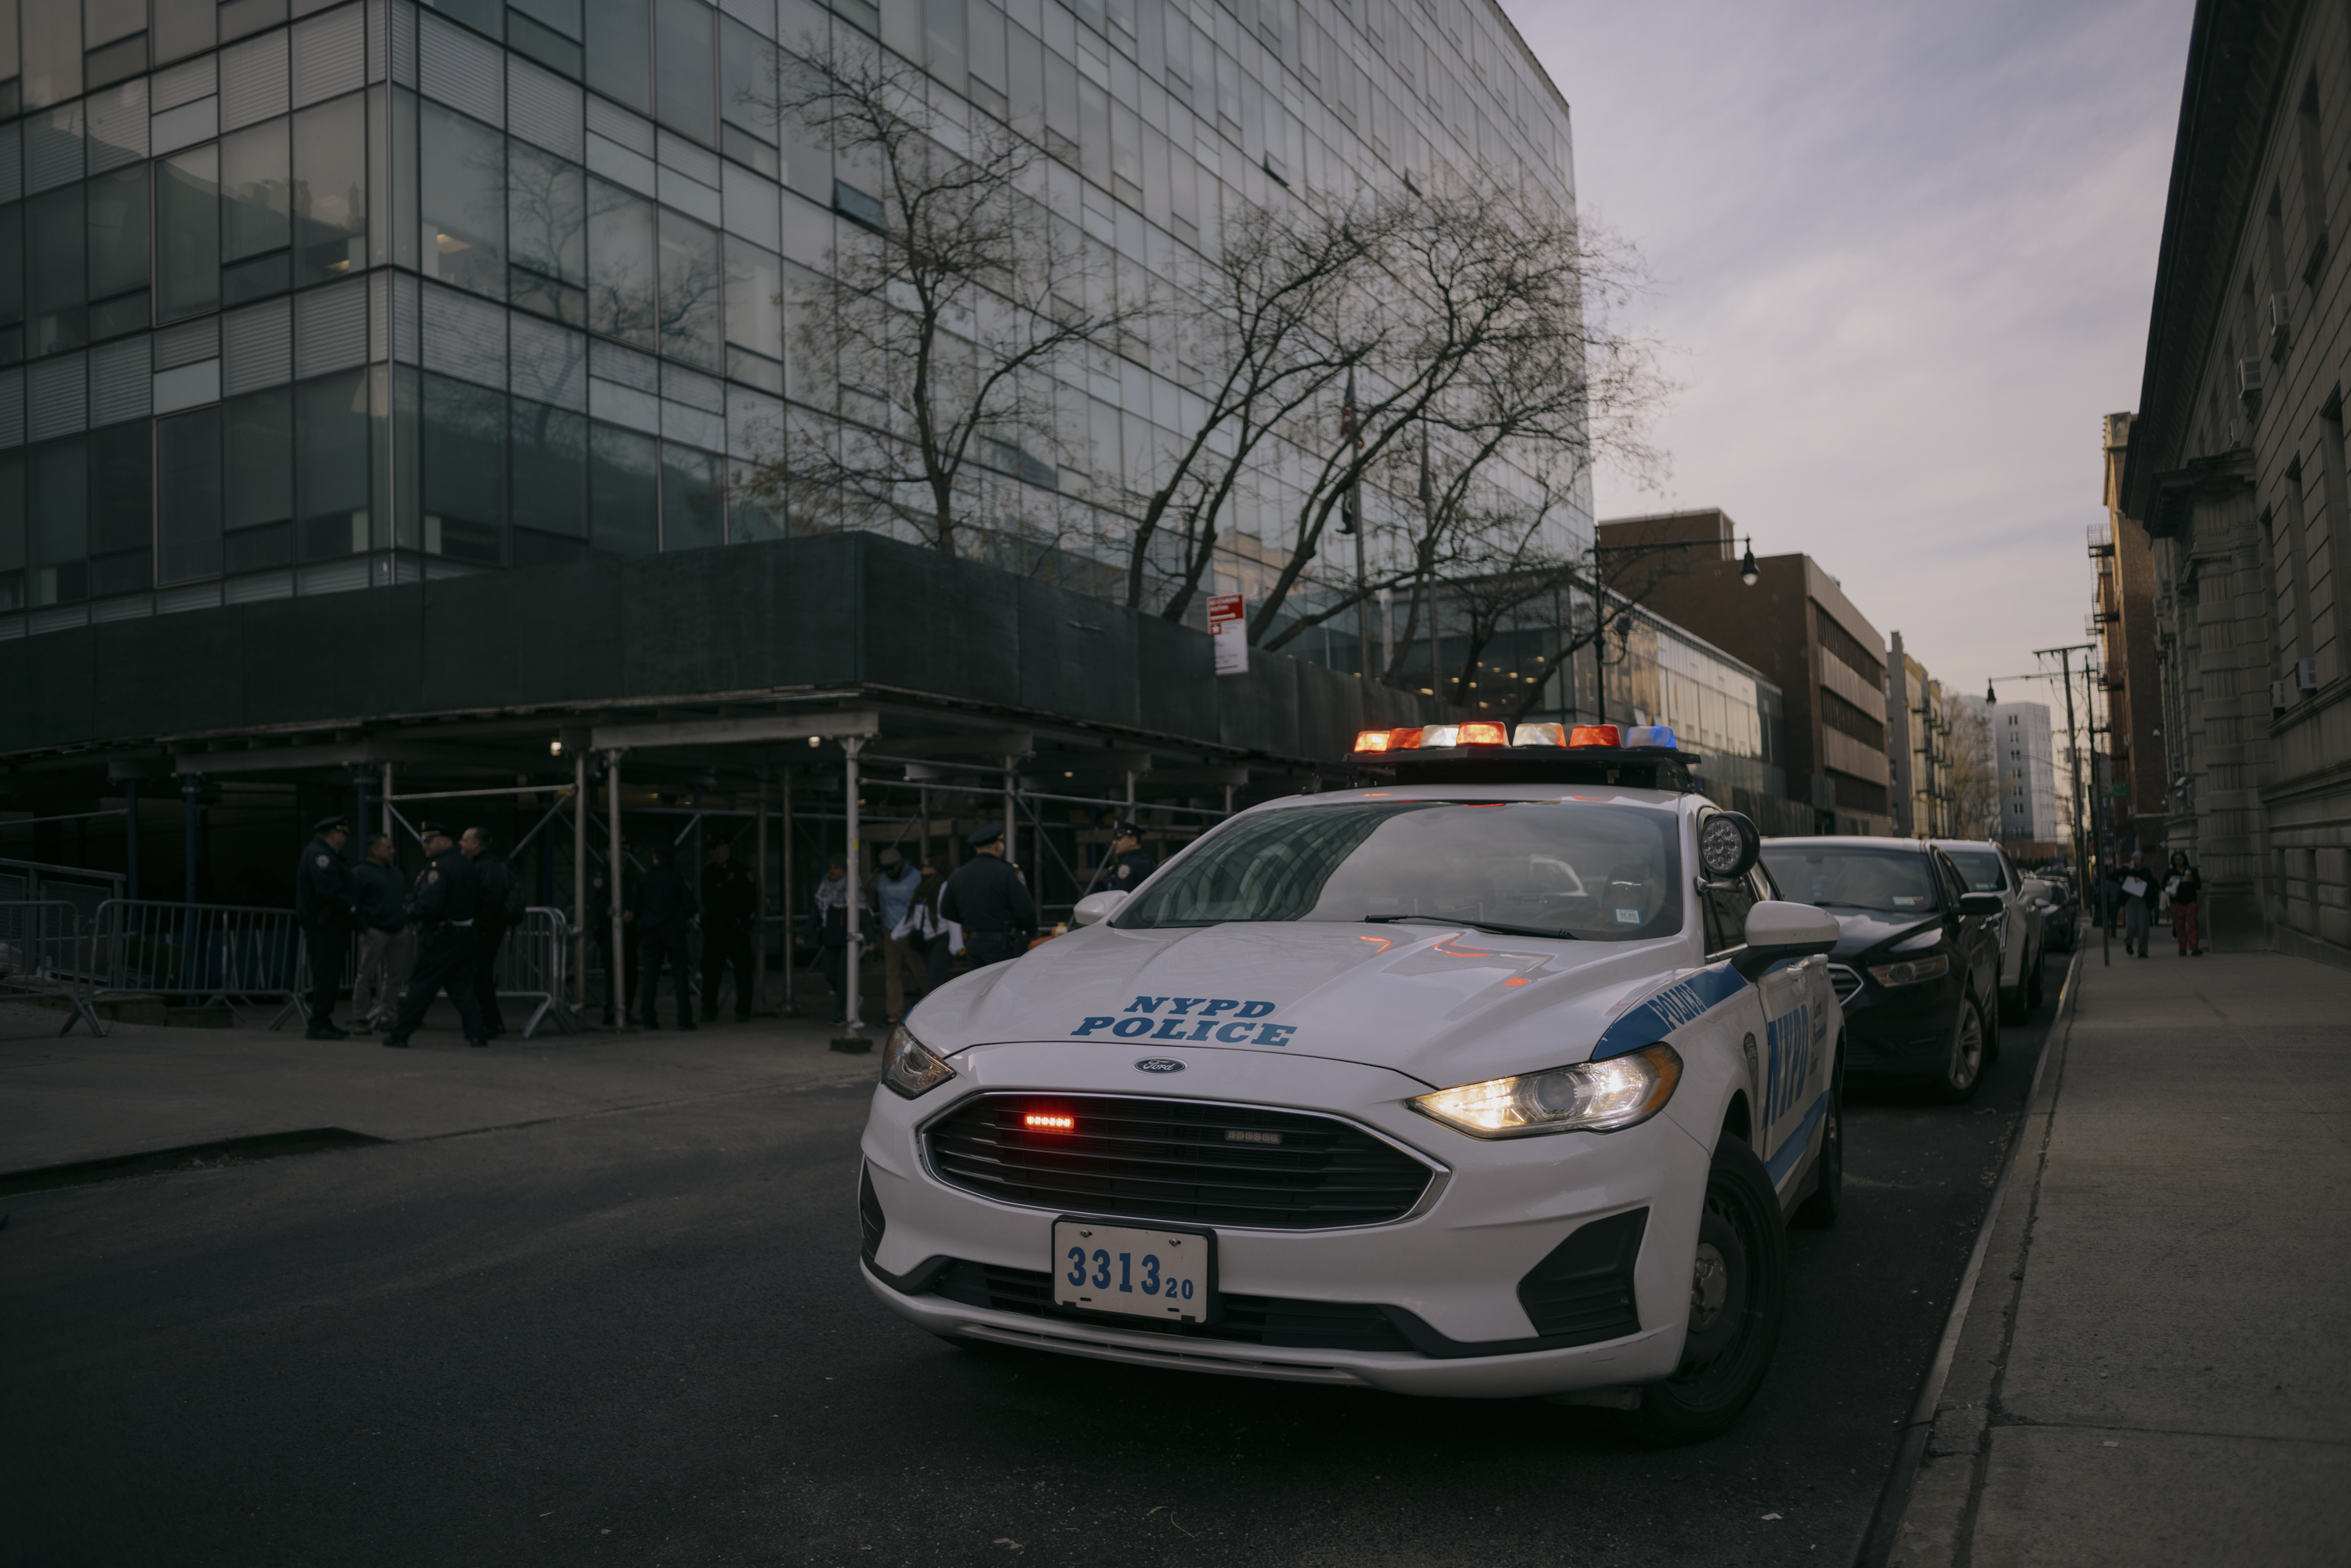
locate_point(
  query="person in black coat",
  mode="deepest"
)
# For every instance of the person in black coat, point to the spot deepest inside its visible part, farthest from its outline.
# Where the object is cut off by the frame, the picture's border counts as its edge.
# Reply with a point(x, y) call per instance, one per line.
point(2185, 887)
point(1130, 861)
point(986, 897)
point(730, 916)
point(446, 905)
point(497, 886)
point(324, 904)
point(665, 909)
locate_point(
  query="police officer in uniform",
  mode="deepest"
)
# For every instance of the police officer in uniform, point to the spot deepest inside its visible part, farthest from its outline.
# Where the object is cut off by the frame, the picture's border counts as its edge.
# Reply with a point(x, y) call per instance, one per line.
point(496, 885)
point(324, 902)
point(1130, 861)
point(664, 909)
point(988, 898)
point(446, 901)
point(730, 913)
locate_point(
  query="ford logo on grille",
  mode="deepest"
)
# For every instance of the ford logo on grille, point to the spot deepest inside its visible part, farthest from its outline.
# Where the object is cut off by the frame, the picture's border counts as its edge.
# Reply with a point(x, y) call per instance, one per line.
point(1159, 1064)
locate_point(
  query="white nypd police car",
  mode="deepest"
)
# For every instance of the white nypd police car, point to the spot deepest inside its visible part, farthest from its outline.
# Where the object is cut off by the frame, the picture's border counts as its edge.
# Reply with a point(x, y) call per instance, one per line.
point(1498, 1076)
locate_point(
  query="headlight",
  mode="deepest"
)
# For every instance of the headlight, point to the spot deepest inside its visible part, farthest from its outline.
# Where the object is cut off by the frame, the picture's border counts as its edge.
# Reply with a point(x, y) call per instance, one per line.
point(1912, 972)
point(1593, 1096)
point(908, 1066)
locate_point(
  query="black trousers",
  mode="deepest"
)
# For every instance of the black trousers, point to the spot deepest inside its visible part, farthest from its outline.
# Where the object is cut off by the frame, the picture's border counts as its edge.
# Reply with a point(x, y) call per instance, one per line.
point(986, 947)
point(722, 945)
point(654, 947)
point(326, 945)
point(486, 938)
point(445, 963)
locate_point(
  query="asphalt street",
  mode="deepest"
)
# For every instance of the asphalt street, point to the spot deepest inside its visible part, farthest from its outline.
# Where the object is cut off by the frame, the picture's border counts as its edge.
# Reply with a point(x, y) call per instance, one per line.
point(640, 1337)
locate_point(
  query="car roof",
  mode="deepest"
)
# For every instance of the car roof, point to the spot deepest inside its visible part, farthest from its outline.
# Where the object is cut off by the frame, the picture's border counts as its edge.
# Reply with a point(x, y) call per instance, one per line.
point(1967, 844)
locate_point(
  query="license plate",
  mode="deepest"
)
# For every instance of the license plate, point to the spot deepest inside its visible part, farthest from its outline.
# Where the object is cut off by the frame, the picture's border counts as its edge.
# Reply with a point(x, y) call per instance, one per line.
point(1169, 1275)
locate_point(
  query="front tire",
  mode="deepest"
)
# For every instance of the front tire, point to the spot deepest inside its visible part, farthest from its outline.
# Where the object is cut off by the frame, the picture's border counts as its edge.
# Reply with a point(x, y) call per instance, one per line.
point(1963, 1065)
point(1739, 1300)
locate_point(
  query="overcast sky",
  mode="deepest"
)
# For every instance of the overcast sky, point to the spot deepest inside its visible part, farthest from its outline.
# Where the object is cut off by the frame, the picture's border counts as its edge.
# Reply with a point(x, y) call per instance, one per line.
point(1905, 253)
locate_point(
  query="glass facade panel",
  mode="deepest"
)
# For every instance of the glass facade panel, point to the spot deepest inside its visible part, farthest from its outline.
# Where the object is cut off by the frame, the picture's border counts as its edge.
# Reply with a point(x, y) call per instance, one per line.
point(330, 190)
point(256, 169)
point(690, 283)
point(187, 234)
point(12, 282)
point(330, 465)
point(619, 51)
point(462, 200)
point(623, 491)
point(685, 41)
point(621, 268)
point(550, 472)
point(12, 530)
point(547, 228)
point(464, 471)
point(188, 497)
point(60, 530)
point(55, 256)
point(118, 232)
point(755, 315)
point(693, 498)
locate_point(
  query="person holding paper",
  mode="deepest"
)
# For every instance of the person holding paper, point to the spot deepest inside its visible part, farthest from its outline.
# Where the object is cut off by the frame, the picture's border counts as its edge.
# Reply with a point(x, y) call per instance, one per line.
point(2138, 893)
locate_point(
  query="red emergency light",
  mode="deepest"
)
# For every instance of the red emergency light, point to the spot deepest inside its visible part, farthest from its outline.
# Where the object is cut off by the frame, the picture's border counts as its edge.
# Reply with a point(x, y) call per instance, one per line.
point(1594, 734)
point(1049, 1122)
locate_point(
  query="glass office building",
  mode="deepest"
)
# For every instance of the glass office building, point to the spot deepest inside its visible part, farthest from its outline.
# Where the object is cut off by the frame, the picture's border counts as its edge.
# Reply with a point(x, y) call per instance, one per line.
point(303, 296)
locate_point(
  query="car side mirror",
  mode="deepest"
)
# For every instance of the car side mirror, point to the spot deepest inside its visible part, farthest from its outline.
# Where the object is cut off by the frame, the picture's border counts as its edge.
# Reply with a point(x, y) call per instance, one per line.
point(2035, 889)
point(1097, 906)
point(1981, 903)
point(1777, 929)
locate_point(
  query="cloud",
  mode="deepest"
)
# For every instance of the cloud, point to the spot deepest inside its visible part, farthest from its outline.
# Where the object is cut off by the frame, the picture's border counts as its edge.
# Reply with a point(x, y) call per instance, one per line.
point(1905, 253)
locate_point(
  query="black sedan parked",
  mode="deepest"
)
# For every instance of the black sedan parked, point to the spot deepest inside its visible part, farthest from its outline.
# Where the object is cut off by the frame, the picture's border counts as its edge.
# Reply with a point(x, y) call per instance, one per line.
point(1917, 970)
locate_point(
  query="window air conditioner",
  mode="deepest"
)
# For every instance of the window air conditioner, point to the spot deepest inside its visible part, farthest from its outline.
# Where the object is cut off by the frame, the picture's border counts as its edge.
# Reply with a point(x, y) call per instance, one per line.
point(2306, 675)
point(2281, 322)
point(2249, 384)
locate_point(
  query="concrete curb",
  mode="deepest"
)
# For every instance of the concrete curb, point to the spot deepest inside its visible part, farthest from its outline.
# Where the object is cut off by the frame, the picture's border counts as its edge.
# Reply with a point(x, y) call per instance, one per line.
point(1915, 1525)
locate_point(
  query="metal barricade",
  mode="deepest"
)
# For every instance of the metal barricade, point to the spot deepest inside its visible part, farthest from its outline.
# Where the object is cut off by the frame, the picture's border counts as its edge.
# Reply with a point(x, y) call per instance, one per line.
point(208, 954)
point(44, 954)
point(535, 966)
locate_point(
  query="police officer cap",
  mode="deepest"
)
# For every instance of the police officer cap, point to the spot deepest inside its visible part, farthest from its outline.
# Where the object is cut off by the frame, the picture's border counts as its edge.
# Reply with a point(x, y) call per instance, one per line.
point(429, 830)
point(1126, 830)
point(986, 836)
point(326, 825)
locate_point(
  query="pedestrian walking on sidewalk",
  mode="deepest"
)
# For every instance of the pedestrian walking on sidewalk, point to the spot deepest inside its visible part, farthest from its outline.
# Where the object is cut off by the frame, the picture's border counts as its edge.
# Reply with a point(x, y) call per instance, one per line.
point(323, 905)
point(447, 902)
point(665, 911)
point(500, 907)
point(893, 893)
point(382, 902)
point(2184, 887)
point(2138, 904)
point(988, 899)
point(730, 913)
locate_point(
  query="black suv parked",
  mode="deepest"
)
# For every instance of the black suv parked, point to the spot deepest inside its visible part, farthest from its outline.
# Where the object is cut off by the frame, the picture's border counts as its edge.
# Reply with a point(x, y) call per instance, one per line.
point(1917, 970)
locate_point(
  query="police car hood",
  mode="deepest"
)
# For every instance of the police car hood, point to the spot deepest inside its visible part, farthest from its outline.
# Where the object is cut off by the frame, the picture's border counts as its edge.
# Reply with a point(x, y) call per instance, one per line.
point(1445, 1005)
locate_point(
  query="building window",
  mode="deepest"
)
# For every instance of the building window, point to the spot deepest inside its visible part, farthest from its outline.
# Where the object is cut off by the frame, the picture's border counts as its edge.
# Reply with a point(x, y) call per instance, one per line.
point(462, 202)
point(623, 492)
point(330, 465)
point(547, 217)
point(188, 496)
point(551, 484)
point(465, 499)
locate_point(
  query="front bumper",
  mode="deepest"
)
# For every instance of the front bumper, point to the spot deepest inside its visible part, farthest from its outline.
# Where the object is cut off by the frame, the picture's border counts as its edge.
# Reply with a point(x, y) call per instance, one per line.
point(1440, 1287)
point(1903, 1032)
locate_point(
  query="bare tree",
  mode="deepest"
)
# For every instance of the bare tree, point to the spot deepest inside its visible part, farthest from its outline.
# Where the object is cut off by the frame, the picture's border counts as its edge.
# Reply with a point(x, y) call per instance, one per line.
point(1971, 778)
point(944, 315)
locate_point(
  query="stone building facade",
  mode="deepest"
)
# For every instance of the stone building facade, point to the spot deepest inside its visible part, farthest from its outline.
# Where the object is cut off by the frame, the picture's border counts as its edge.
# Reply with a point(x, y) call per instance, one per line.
point(2235, 465)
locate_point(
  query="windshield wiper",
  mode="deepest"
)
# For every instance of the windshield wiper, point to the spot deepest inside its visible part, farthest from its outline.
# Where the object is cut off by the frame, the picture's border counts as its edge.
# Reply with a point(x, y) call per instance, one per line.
point(1498, 930)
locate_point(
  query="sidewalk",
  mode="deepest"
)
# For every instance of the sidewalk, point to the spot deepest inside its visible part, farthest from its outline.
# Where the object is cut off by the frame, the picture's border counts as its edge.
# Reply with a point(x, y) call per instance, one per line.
point(145, 1088)
point(2154, 1365)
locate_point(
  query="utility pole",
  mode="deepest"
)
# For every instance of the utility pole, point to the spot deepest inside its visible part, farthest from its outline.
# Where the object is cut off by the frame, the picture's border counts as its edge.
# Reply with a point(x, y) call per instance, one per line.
point(2082, 860)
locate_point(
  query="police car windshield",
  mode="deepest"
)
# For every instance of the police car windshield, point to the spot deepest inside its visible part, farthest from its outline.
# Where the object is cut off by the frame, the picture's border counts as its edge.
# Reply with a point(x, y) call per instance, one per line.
point(1894, 881)
point(1593, 872)
point(1980, 869)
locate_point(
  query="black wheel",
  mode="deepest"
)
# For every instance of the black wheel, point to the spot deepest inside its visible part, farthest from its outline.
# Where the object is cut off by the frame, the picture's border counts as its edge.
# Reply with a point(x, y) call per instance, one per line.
point(1819, 1210)
point(2013, 1005)
point(1964, 1066)
point(2034, 990)
point(1738, 1299)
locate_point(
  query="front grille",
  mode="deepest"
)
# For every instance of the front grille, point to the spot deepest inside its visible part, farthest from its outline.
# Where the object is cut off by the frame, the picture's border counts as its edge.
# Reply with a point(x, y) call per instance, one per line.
point(1246, 1319)
point(1148, 1158)
point(1845, 979)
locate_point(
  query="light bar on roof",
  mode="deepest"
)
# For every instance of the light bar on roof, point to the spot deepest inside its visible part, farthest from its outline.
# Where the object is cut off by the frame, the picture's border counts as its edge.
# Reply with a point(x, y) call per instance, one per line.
point(1373, 740)
point(1540, 735)
point(1481, 732)
point(1594, 734)
point(1440, 734)
point(1660, 735)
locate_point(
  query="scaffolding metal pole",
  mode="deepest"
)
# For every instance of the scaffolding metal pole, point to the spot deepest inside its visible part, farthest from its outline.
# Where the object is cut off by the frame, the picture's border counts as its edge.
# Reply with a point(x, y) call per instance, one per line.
point(131, 837)
point(791, 951)
point(579, 882)
point(855, 1039)
point(617, 979)
point(760, 857)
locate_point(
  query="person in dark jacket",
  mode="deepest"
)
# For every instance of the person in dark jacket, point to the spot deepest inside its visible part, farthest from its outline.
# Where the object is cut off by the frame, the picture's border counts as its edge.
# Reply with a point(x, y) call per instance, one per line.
point(1130, 861)
point(384, 934)
point(323, 907)
point(496, 892)
point(600, 933)
point(2185, 887)
point(730, 914)
point(2137, 890)
point(665, 910)
point(444, 910)
point(988, 898)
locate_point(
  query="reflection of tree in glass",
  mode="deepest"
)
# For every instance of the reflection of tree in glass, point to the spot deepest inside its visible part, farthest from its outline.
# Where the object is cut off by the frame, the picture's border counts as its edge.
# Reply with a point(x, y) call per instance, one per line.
point(628, 295)
point(546, 233)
